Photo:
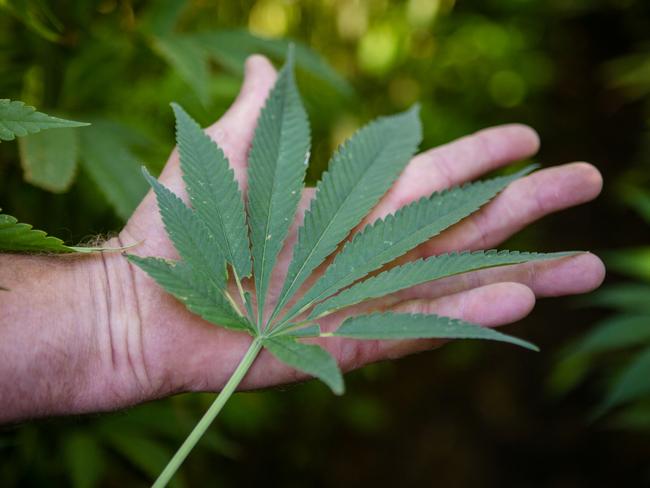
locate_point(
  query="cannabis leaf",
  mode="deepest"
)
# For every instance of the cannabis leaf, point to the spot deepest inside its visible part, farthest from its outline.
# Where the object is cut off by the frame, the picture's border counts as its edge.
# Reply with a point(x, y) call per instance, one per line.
point(421, 271)
point(20, 237)
point(18, 119)
point(277, 165)
point(361, 172)
point(179, 279)
point(393, 236)
point(309, 358)
point(214, 193)
point(417, 326)
point(212, 237)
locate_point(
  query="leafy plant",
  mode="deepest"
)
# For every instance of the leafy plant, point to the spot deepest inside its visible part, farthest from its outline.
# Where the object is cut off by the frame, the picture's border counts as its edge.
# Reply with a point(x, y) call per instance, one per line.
point(17, 120)
point(19, 237)
point(619, 344)
point(212, 239)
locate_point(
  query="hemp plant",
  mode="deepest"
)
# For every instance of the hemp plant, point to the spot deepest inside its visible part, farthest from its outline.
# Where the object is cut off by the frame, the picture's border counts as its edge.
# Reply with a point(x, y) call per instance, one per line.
point(221, 238)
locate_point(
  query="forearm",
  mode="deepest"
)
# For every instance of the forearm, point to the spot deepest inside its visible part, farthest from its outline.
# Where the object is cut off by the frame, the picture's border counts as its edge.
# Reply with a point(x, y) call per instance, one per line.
point(63, 324)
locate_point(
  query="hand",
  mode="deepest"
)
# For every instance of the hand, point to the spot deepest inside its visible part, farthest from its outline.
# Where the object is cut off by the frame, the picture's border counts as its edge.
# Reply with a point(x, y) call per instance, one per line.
point(182, 352)
point(94, 333)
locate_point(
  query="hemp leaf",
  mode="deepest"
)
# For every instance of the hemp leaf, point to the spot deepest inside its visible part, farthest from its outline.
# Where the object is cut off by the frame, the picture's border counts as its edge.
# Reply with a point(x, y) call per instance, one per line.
point(20, 237)
point(212, 239)
point(18, 119)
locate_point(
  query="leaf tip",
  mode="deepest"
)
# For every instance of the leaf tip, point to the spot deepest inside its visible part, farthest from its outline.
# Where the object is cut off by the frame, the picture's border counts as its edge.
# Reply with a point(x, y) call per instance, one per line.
point(291, 55)
point(527, 345)
point(338, 388)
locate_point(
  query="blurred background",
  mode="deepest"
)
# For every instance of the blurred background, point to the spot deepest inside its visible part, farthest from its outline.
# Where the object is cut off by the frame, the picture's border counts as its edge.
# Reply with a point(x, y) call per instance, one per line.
point(468, 415)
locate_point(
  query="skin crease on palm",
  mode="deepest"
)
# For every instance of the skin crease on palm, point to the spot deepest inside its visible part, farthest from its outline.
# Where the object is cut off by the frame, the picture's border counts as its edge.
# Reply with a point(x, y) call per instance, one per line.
point(177, 351)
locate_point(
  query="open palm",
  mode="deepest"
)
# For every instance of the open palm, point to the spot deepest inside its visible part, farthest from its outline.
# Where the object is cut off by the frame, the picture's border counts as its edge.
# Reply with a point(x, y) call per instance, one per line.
point(178, 351)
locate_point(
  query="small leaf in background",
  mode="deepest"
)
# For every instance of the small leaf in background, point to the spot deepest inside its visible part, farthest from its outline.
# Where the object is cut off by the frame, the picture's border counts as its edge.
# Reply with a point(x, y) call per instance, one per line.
point(143, 453)
point(187, 56)
point(633, 383)
point(161, 17)
point(49, 158)
point(634, 262)
point(36, 15)
point(616, 332)
point(309, 358)
point(634, 417)
point(106, 153)
point(632, 297)
point(396, 326)
point(231, 48)
point(18, 119)
point(84, 458)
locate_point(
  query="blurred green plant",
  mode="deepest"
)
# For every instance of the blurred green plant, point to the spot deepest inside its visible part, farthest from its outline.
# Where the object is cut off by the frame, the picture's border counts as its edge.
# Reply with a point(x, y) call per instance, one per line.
point(620, 343)
point(20, 120)
point(108, 150)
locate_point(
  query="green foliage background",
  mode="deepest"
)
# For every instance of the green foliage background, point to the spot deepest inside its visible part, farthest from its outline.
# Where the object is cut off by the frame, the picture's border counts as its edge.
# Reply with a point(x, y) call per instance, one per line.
point(468, 415)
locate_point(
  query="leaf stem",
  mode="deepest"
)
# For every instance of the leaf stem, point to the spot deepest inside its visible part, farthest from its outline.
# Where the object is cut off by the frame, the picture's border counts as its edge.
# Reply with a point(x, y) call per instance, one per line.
point(287, 326)
point(240, 289)
point(233, 303)
point(210, 415)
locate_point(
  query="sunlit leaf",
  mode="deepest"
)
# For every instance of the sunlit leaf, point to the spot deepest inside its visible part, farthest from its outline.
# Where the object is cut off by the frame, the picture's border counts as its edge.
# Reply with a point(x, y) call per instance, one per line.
point(188, 57)
point(49, 158)
point(231, 48)
point(106, 153)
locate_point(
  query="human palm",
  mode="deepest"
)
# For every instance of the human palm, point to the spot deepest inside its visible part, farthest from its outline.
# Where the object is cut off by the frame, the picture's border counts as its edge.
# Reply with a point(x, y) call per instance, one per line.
point(182, 352)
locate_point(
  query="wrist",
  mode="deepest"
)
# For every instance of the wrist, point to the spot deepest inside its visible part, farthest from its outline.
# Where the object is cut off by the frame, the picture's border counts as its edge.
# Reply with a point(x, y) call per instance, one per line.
point(50, 358)
point(70, 336)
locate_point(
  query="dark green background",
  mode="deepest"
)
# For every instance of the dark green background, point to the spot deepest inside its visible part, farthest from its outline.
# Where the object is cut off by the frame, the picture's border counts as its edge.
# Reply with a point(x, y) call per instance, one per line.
point(467, 415)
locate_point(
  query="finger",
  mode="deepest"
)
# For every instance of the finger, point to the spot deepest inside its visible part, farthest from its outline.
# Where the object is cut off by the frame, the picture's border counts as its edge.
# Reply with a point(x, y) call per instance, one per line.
point(234, 131)
point(458, 162)
point(566, 276)
point(490, 306)
point(523, 202)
